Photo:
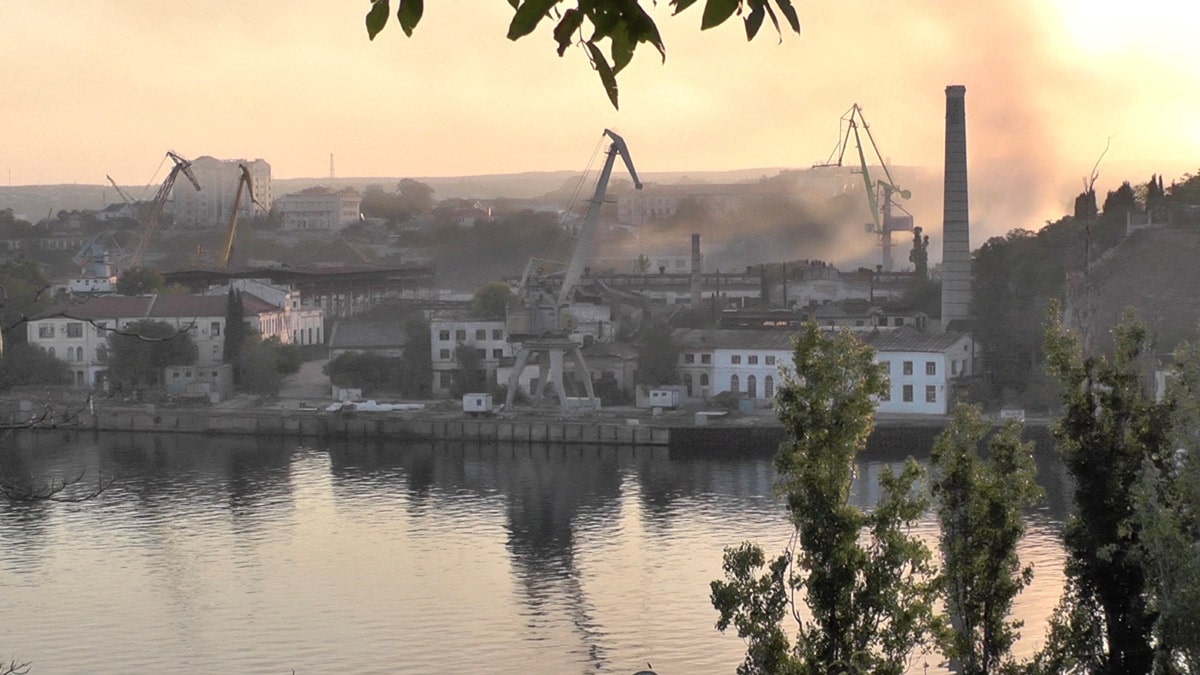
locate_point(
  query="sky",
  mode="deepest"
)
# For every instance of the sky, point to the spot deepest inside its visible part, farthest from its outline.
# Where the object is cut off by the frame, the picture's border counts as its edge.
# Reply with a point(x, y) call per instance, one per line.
point(106, 87)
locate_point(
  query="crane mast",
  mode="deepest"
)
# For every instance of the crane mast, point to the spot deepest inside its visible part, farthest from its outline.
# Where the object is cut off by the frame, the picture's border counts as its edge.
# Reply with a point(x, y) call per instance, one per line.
point(151, 212)
point(880, 193)
point(247, 183)
point(540, 321)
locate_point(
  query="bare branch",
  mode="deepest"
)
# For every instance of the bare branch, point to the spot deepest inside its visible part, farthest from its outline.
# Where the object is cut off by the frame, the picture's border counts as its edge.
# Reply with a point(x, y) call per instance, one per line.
point(15, 667)
point(57, 490)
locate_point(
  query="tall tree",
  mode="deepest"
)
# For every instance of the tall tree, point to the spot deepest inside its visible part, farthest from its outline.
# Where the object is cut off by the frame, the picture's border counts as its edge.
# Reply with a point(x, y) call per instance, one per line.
point(658, 355)
point(919, 255)
point(864, 577)
point(1167, 514)
point(469, 377)
point(490, 301)
point(23, 293)
point(979, 505)
point(140, 281)
point(1109, 428)
point(235, 328)
point(140, 351)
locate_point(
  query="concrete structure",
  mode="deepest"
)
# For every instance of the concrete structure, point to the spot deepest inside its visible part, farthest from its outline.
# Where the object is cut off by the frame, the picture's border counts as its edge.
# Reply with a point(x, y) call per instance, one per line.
point(319, 208)
point(924, 367)
point(199, 381)
point(383, 338)
point(218, 178)
point(663, 201)
point(488, 337)
point(956, 227)
point(301, 325)
point(78, 333)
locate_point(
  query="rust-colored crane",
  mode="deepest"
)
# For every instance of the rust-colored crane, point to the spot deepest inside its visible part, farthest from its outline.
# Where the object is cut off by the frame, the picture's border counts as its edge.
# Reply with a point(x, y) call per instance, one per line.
point(246, 182)
point(151, 211)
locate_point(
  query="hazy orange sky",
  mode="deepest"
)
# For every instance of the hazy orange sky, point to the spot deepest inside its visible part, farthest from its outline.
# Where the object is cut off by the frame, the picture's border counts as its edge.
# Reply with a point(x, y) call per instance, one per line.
point(107, 87)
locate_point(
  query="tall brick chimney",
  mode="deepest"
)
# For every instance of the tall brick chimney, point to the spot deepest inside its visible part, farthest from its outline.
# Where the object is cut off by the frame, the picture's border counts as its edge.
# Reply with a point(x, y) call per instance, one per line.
point(956, 226)
point(696, 270)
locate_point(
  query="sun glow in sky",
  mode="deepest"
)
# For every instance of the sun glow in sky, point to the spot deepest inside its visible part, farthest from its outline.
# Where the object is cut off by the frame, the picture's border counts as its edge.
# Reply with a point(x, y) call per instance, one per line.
point(106, 88)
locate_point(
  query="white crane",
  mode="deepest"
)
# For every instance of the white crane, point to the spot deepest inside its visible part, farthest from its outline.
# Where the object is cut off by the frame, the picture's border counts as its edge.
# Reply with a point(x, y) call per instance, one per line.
point(541, 322)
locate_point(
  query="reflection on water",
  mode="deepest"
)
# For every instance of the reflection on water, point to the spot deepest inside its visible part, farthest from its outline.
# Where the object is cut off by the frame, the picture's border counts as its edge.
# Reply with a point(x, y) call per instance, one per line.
point(264, 555)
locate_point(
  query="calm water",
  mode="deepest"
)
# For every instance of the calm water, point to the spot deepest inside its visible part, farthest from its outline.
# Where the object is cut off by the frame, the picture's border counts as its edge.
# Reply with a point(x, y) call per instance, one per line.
point(261, 556)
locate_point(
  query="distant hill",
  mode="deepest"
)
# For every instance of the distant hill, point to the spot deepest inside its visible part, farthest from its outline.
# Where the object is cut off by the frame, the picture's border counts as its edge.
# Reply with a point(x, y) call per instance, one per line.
point(1154, 271)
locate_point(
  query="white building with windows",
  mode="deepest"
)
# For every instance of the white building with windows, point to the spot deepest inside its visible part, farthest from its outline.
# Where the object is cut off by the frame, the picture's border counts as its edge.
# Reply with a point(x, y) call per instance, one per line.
point(487, 337)
point(77, 333)
point(218, 179)
point(922, 367)
point(319, 208)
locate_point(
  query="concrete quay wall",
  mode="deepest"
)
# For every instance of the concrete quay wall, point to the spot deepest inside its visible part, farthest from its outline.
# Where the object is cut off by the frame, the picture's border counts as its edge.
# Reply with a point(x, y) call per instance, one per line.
point(274, 423)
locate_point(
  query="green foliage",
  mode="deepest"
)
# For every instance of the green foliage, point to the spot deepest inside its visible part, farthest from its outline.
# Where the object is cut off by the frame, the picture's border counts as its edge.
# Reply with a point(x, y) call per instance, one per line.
point(919, 255)
point(490, 301)
point(370, 372)
point(865, 579)
point(23, 364)
point(142, 349)
point(1109, 429)
point(624, 23)
point(658, 355)
point(141, 281)
point(470, 376)
point(409, 199)
point(258, 366)
point(416, 362)
point(979, 506)
point(23, 287)
point(287, 357)
point(1167, 514)
point(235, 329)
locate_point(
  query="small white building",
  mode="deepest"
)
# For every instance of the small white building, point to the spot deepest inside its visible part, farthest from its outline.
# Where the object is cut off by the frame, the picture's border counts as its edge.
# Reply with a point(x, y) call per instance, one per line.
point(319, 208)
point(922, 367)
point(487, 337)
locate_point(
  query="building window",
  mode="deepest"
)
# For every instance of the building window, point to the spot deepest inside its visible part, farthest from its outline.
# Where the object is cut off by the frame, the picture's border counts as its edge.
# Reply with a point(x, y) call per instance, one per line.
point(214, 328)
point(481, 334)
point(706, 359)
point(703, 379)
point(481, 353)
point(100, 328)
point(687, 382)
point(497, 354)
point(444, 354)
point(74, 330)
point(770, 360)
point(886, 395)
point(689, 358)
point(752, 386)
point(908, 394)
point(460, 335)
point(497, 334)
point(769, 386)
point(45, 330)
point(930, 393)
point(444, 335)
point(931, 367)
point(752, 359)
point(734, 384)
point(735, 359)
point(216, 350)
point(50, 352)
point(899, 321)
point(908, 370)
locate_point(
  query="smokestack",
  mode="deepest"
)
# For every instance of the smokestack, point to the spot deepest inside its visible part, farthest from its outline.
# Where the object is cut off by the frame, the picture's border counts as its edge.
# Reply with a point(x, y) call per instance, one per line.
point(956, 226)
point(695, 270)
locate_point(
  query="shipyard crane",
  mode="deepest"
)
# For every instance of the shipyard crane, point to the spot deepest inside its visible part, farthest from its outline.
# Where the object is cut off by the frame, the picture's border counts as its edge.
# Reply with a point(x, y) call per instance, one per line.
point(124, 195)
point(880, 193)
point(151, 211)
point(247, 183)
point(539, 319)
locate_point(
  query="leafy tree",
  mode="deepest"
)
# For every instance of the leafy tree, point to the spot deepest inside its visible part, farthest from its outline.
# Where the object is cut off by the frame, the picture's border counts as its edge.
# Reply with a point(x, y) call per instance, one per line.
point(141, 281)
point(919, 255)
point(865, 579)
point(1109, 429)
point(258, 366)
point(23, 287)
point(235, 329)
point(416, 361)
point(490, 301)
point(658, 355)
point(469, 377)
point(624, 23)
point(142, 349)
point(1167, 514)
point(370, 372)
point(415, 196)
point(23, 364)
point(979, 506)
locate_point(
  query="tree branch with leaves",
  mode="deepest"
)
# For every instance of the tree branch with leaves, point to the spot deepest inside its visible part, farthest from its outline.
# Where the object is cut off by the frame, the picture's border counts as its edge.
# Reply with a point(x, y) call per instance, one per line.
point(619, 25)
